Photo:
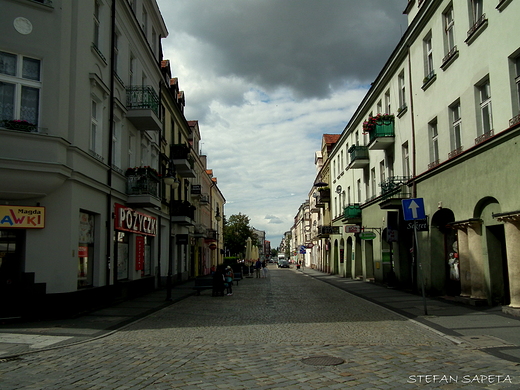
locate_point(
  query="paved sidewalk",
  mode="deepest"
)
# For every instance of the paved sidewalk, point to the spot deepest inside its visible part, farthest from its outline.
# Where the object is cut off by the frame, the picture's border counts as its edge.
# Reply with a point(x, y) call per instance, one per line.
point(485, 328)
point(25, 337)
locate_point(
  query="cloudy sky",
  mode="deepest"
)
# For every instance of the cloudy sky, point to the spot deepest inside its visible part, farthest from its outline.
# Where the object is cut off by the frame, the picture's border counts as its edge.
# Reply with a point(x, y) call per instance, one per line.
point(265, 79)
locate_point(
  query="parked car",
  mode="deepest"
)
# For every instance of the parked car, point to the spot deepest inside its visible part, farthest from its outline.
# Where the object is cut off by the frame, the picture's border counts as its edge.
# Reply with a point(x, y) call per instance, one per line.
point(283, 264)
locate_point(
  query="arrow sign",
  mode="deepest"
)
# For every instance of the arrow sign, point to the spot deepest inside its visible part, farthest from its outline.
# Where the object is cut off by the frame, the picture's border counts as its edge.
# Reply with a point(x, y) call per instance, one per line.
point(413, 209)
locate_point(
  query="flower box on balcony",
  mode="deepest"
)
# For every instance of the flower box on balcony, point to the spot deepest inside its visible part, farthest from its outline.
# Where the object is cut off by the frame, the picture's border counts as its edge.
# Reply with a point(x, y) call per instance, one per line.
point(16, 124)
point(352, 211)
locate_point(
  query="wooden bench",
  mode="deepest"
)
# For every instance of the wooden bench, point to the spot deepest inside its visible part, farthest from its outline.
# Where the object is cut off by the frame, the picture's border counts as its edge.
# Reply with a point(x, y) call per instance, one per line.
point(203, 284)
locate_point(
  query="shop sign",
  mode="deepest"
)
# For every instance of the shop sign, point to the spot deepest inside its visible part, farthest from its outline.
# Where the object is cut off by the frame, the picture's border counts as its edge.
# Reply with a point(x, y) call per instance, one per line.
point(367, 235)
point(83, 251)
point(182, 239)
point(139, 253)
point(22, 217)
point(196, 189)
point(352, 229)
point(129, 220)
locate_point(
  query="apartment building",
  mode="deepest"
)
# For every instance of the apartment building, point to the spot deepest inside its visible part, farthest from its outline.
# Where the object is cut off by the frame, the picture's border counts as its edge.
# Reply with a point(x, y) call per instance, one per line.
point(92, 125)
point(441, 123)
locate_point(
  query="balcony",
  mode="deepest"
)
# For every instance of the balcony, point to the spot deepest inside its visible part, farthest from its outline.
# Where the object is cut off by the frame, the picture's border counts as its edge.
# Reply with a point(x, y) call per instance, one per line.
point(393, 191)
point(142, 187)
point(182, 212)
point(32, 164)
point(380, 130)
point(211, 235)
point(142, 103)
point(352, 213)
point(359, 157)
point(326, 231)
point(182, 159)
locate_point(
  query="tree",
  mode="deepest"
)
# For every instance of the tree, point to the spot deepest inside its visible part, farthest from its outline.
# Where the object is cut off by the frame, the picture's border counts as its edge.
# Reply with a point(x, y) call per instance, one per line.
point(236, 232)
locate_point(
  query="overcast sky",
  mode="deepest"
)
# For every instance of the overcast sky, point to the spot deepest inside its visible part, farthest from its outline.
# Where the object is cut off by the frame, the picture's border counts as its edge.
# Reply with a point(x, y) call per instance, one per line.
point(265, 79)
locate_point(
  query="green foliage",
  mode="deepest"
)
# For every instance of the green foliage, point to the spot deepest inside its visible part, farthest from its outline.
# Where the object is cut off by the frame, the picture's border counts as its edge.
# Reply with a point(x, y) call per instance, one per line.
point(236, 232)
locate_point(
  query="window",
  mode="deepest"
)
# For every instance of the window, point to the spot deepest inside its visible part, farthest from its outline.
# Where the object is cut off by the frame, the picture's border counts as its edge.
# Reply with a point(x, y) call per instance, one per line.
point(476, 10)
point(406, 160)
point(449, 34)
point(402, 91)
point(485, 109)
point(86, 246)
point(434, 144)
point(388, 108)
point(455, 130)
point(428, 59)
point(96, 127)
point(97, 24)
point(359, 190)
point(116, 144)
point(131, 70)
point(131, 150)
point(144, 24)
point(116, 52)
point(341, 162)
point(19, 88)
point(382, 176)
point(517, 80)
point(373, 180)
point(380, 108)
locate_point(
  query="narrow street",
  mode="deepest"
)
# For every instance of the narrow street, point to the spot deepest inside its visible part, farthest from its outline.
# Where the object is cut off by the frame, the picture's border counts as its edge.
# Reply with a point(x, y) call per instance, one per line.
point(288, 331)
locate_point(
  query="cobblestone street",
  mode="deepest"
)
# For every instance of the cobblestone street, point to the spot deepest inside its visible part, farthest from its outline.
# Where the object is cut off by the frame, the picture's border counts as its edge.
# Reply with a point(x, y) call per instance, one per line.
point(262, 338)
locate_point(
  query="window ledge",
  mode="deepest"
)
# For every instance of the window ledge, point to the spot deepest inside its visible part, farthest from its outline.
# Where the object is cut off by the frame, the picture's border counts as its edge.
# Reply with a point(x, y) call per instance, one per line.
point(450, 58)
point(477, 29)
point(503, 4)
point(402, 110)
point(98, 53)
point(428, 80)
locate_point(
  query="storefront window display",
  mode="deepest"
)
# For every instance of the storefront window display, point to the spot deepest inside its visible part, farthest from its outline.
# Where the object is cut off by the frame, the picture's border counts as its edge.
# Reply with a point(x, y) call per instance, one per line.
point(85, 249)
point(122, 255)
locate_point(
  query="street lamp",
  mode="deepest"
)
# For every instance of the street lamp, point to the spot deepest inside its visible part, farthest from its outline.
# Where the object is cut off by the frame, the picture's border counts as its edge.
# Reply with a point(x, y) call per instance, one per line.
point(171, 180)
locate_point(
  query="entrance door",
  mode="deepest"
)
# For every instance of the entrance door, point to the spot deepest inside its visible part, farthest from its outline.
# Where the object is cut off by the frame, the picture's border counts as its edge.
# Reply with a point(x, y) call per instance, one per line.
point(11, 270)
point(496, 245)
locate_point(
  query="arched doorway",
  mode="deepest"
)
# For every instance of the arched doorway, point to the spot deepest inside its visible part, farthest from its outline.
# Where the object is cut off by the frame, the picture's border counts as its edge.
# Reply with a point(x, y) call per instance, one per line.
point(335, 261)
point(348, 258)
point(445, 271)
point(342, 257)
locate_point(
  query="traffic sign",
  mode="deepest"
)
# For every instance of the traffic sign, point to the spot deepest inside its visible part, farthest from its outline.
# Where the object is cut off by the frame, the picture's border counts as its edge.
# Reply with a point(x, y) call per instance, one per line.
point(413, 209)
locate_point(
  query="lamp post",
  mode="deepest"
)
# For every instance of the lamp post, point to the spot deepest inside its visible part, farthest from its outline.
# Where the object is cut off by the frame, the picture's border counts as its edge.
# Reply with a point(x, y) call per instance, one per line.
point(171, 180)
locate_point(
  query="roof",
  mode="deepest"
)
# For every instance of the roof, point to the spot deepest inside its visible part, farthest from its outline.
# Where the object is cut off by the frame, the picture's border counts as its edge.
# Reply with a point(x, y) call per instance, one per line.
point(331, 138)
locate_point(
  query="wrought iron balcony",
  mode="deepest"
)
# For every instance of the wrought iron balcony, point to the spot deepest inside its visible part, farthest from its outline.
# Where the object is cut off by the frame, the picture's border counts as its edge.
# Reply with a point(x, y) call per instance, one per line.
point(393, 190)
point(182, 212)
point(359, 156)
point(182, 159)
point(142, 103)
point(142, 187)
point(326, 231)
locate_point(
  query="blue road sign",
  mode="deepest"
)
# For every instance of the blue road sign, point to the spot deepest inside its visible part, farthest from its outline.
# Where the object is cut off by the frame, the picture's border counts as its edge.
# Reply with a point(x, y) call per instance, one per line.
point(413, 209)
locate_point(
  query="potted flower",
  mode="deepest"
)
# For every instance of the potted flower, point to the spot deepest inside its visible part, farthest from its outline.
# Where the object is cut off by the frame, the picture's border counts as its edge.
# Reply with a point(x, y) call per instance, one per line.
point(18, 124)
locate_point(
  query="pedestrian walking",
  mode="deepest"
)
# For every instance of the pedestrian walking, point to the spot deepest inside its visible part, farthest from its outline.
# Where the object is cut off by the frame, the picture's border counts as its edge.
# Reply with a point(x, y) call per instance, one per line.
point(258, 267)
point(218, 282)
point(229, 280)
point(264, 270)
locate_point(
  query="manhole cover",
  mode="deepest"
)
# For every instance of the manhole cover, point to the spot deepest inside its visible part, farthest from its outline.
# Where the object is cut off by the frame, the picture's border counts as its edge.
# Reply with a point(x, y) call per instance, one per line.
point(323, 361)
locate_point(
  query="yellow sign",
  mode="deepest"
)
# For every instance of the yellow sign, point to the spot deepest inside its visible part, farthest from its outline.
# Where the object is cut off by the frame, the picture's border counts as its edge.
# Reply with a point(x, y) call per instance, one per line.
point(22, 217)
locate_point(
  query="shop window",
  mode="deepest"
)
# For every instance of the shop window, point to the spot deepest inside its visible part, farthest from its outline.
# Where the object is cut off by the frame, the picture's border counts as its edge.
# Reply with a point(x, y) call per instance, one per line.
point(122, 251)
point(86, 246)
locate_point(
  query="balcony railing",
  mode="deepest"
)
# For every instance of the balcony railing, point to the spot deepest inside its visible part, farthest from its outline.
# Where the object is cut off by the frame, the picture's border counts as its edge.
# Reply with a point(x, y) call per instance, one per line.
point(481, 20)
point(352, 211)
point(180, 208)
point(395, 186)
point(327, 230)
point(359, 156)
point(142, 97)
point(380, 130)
point(455, 152)
point(183, 160)
point(144, 183)
point(484, 137)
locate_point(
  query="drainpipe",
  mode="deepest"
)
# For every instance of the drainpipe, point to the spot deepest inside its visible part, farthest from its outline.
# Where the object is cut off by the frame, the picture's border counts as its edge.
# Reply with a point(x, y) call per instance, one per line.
point(414, 167)
point(110, 216)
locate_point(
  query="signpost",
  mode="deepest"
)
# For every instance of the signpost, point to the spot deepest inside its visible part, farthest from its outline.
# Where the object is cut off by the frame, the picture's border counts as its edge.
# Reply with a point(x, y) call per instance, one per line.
point(413, 210)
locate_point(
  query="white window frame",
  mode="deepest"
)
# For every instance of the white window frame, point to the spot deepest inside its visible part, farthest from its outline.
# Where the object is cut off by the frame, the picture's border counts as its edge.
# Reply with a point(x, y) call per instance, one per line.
point(428, 56)
point(449, 28)
point(456, 126)
point(96, 39)
point(402, 90)
point(486, 114)
point(20, 82)
point(477, 10)
point(406, 160)
point(434, 141)
point(388, 106)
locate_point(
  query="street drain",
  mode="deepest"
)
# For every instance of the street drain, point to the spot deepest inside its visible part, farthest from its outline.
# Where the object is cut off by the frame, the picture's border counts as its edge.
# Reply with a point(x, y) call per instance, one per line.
point(323, 361)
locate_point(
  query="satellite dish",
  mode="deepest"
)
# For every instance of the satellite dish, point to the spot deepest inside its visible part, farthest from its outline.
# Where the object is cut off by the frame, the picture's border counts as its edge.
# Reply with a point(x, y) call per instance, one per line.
point(338, 190)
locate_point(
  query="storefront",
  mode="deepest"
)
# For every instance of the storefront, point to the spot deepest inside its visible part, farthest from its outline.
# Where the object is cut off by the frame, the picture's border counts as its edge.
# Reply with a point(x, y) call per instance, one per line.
point(14, 222)
point(134, 242)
